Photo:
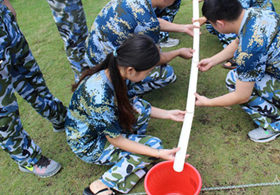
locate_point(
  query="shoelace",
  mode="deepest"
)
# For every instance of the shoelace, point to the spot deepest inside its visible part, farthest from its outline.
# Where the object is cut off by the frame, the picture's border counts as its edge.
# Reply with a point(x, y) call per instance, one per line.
point(43, 162)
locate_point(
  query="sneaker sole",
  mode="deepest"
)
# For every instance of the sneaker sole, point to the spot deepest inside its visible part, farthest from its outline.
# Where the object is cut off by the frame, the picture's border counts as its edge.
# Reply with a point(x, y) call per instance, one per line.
point(265, 140)
point(55, 171)
point(229, 67)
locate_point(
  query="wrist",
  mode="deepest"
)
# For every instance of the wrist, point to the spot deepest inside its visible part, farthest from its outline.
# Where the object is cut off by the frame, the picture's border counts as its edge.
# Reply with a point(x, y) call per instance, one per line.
point(210, 103)
point(158, 153)
point(167, 115)
point(180, 52)
point(213, 61)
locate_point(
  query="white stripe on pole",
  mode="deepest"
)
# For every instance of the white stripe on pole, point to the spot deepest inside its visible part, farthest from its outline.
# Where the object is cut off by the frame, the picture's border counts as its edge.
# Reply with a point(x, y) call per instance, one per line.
point(186, 128)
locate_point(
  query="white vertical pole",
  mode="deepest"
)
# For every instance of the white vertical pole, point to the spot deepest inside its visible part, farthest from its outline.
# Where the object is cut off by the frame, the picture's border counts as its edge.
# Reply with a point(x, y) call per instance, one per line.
point(186, 128)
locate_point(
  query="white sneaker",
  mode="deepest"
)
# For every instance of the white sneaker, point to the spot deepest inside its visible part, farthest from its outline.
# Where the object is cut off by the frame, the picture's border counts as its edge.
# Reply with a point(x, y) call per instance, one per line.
point(261, 135)
point(169, 43)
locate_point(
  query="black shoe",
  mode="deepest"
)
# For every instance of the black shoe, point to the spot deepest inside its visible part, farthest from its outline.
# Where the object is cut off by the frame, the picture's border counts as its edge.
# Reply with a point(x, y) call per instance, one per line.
point(87, 191)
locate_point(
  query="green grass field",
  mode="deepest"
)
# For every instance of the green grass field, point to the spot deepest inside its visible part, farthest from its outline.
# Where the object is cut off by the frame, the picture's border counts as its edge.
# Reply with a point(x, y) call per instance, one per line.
point(219, 147)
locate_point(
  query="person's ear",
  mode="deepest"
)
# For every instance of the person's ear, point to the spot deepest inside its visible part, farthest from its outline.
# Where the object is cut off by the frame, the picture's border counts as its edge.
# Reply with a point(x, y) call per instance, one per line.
point(220, 23)
point(130, 71)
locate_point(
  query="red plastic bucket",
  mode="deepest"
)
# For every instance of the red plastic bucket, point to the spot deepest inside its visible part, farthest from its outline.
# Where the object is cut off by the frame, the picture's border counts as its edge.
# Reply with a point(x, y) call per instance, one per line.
point(163, 180)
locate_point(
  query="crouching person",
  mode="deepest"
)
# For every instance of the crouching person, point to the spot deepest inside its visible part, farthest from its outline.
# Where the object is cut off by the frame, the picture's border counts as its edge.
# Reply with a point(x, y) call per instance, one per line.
point(105, 126)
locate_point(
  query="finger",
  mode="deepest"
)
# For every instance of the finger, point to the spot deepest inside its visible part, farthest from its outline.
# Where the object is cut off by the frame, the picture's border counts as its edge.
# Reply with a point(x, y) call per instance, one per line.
point(182, 112)
point(176, 149)
point(181, 119)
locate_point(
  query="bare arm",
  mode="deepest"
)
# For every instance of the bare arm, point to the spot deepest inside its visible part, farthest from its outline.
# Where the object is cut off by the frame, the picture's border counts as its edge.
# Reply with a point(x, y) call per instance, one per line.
point(175, 115)
point(220, 57)
point(137, 148)
point(226, 53)
point(166, 57)
point(239, 96)
point(172, 27)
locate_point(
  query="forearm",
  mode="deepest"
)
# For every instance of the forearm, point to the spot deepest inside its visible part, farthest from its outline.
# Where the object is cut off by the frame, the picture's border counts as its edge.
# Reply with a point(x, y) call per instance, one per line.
point(170, 27)
point(133, 147)
point(228, 99)
point(166, 57)
point(159, 113)
point(226, 53)
point(241, 95)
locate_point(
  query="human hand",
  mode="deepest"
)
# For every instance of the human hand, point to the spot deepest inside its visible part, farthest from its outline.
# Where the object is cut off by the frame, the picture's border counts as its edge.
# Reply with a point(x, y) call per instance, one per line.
point(201, 20)
point(205, 64)
point(176, 115)
point(188, 29)
point(201, 100)
point(186, 53)
point(168, 154)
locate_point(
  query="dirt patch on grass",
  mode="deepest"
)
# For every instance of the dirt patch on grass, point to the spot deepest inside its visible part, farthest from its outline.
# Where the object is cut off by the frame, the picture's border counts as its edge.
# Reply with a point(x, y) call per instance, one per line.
point(275, 156)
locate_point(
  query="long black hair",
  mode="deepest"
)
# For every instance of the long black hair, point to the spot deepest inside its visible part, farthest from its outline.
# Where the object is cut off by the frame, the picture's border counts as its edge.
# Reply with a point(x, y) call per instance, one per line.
point(215, 10)
point(139, 52)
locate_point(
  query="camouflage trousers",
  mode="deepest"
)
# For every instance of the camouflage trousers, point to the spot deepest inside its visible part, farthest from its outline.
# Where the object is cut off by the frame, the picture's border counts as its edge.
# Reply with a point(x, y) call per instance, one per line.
point(71, 23)
point(168, 14)
point(225, 39)
point(158, 78)
point(264, 104)
point(127, 168)
point(19, 72)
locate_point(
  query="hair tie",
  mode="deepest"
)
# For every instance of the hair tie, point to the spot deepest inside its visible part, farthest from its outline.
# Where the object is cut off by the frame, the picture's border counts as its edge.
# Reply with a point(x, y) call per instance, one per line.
point(115, 53)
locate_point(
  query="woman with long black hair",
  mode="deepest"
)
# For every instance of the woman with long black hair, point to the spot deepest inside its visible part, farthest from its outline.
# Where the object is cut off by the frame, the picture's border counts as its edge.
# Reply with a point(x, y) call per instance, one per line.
point(106, 126)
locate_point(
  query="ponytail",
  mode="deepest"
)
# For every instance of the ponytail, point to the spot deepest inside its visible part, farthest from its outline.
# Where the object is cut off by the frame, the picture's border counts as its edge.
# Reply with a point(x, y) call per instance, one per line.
point(138, 52)
point(125, 109)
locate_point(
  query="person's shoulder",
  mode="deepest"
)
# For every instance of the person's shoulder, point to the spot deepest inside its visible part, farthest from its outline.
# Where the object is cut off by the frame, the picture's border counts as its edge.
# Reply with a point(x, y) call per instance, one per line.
point(138, 5)
point(262, 20)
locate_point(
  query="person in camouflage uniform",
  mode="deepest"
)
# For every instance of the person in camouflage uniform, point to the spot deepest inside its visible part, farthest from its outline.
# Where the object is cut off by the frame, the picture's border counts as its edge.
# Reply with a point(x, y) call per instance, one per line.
point(105, 126)
point(20, 73)
point(255, 83)
point(119, 20)
point(226, 39)
point(71, 23)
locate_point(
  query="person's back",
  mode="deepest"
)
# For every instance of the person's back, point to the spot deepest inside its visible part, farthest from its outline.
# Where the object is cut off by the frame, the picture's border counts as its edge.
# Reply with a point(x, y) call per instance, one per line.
point(116, 22)
point(265, 4)
point(85, 123)
point(258, 50)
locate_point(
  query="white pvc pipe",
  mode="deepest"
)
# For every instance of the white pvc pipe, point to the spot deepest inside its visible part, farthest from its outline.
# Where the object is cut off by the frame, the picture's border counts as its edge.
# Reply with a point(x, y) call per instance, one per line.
point(187, 124)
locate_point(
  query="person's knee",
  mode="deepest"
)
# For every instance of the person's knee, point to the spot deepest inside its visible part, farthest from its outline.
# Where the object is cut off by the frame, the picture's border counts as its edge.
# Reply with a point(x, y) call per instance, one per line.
point(231, 80)
point(168, 74)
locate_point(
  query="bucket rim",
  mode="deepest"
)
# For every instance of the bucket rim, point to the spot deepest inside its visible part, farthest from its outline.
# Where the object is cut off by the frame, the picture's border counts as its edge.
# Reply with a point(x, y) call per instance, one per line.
point(171, 162)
